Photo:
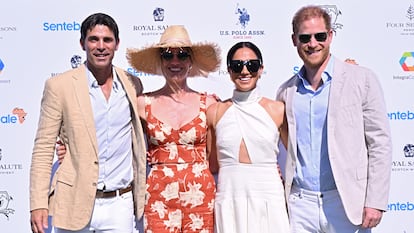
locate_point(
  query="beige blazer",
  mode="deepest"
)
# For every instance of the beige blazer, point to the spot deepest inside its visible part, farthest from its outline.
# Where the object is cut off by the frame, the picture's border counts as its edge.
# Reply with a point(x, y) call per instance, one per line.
point(359, 140)
point(66, 111)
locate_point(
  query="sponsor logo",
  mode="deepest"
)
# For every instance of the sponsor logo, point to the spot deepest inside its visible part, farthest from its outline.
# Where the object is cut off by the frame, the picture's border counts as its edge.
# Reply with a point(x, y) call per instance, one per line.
point(405, 25)
point(6, 29)
point(334, 12)
point(155, 29)
point(5, 200)
point(401, 115)
point(158, 14)
point(243, 16)
point(75, 61)
point(401, 206)
point(1, 66)
point(405, 164)
point(407, 62)
point(244, 30)
point(64, 26)
point(138, 73)
point(8, 168)
point(407, 65)
point(17, 116)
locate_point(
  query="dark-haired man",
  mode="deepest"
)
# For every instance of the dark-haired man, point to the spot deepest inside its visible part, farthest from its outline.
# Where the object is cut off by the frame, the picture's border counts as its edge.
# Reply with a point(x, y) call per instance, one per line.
point(93, 110)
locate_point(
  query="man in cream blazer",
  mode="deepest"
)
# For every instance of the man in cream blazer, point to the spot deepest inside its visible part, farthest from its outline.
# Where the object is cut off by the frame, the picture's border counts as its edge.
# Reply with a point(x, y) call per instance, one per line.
point(67, 112)
point(338, 164)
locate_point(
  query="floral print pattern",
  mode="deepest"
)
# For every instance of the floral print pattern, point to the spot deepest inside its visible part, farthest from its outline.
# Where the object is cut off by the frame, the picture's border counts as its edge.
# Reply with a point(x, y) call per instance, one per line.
point(180, 188)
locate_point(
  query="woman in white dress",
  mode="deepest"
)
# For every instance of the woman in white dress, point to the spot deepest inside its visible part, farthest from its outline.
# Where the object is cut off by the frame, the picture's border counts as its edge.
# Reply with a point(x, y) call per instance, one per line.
point(242, 142)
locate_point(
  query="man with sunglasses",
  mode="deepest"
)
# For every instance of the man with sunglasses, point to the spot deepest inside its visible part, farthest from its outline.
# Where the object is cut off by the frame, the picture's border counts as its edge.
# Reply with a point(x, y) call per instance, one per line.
point(339, 152)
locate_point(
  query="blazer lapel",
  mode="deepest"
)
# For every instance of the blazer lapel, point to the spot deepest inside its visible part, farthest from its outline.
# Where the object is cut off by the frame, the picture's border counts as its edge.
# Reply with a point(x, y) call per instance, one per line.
point(81, 86)
point(335, 93)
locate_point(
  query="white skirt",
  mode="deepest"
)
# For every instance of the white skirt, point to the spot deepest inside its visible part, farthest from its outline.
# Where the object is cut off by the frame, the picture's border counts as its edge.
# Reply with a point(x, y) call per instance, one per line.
point(250, 198)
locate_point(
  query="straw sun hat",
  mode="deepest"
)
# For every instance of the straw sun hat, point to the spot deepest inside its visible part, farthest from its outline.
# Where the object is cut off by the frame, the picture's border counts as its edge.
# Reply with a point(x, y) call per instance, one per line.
point(205, 56)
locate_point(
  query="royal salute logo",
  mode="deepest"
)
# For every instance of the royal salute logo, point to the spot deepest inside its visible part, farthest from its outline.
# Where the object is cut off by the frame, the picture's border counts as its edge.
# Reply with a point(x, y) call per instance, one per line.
point(7, 168)
point(409, 150)
point(403, 24)
point(156, 29)
point(405, 164)
point(75, 61)
point(158, 14)
point(5, 201)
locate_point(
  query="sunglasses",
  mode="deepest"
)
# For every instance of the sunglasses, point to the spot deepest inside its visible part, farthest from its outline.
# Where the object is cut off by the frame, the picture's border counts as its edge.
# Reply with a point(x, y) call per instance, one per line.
point(252, 65)
point(321, 37)
point(168, 55)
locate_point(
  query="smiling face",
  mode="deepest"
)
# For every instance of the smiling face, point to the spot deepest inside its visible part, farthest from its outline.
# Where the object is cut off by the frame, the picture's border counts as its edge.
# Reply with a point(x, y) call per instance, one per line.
point(176, 63)
point(313, 53)
point(100, 46)
point(245, 80)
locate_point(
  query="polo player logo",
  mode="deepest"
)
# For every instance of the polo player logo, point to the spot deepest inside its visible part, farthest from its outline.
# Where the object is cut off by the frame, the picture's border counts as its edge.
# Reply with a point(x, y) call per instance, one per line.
point(244, 16)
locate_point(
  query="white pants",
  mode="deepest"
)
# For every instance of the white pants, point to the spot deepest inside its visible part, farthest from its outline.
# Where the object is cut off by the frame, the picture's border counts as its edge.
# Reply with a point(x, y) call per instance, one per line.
point(110, 215)
point(318, 212)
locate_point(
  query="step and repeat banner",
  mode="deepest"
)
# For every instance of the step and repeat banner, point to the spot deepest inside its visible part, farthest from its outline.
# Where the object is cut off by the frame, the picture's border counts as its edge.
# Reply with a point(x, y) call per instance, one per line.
point(40, 39)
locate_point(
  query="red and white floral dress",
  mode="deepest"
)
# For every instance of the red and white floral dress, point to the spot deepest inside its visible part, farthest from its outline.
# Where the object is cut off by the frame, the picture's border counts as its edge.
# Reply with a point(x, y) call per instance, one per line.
point(180, 188)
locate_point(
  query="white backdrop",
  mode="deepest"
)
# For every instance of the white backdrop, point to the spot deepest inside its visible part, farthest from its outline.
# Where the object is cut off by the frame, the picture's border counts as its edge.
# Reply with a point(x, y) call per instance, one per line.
point(39, 38)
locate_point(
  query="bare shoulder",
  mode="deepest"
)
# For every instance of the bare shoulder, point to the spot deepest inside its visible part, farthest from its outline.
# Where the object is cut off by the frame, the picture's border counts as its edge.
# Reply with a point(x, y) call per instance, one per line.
point(273, 106)
point(211, 99)
point(216, 110)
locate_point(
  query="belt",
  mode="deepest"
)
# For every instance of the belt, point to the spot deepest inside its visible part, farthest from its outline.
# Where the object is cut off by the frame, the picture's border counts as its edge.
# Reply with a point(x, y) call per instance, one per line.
point(109, 194)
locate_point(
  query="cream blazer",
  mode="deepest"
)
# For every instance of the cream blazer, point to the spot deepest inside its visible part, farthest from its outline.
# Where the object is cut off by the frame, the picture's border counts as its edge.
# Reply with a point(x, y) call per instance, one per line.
point(66, 112)
point(359, 140)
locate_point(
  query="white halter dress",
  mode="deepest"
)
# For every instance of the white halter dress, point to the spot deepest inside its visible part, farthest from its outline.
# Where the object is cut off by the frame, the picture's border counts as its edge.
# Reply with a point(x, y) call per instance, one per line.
point(250, 197)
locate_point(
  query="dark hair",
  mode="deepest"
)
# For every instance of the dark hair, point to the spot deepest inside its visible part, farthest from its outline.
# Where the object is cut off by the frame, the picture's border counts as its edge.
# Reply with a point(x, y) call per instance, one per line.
point(99, 19)
point(244, 44)
point(309, 12)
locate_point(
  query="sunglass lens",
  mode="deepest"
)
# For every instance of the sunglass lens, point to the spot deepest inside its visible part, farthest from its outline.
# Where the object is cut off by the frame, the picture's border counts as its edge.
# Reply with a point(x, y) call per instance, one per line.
point(304, 38)
point(321, 37)
point(167, 55)
point(253, 66)
point(236, 66)
point(182, 55)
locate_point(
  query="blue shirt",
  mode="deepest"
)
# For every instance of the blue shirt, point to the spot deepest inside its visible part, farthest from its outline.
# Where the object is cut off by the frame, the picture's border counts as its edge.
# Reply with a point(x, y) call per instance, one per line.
point(313, 168)
point(114, 134)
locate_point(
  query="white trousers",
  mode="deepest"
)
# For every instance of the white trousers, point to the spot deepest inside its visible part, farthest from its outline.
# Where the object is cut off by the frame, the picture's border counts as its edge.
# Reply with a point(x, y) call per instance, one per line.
point(318, 212)
point(110, 215)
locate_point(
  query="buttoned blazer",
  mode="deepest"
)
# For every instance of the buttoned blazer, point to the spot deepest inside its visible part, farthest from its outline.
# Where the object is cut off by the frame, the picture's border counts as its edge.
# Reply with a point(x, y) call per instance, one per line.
point(359, 140)
point(66, 111)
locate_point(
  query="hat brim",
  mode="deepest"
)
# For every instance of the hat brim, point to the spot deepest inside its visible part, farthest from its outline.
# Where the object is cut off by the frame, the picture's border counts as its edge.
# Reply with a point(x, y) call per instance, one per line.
point(205, 58)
